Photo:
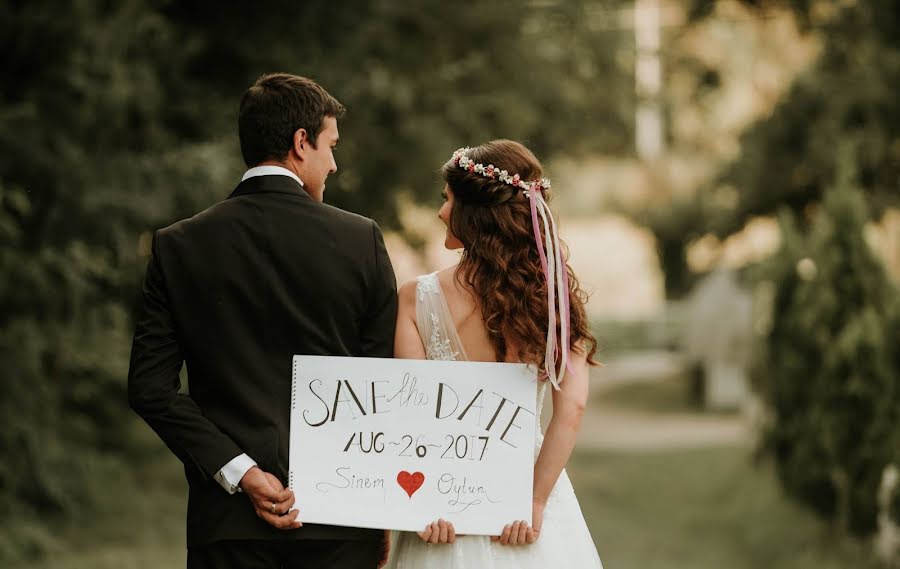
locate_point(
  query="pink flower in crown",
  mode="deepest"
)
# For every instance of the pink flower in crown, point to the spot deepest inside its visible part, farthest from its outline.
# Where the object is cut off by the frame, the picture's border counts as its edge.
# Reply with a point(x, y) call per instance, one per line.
point(471, 167)
point(516, 179)
point(490, 171)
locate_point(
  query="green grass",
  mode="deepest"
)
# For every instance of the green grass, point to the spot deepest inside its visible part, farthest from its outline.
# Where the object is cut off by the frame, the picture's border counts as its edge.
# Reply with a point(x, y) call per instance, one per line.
point(701, 509)
point(696, 509)
point(668, 396)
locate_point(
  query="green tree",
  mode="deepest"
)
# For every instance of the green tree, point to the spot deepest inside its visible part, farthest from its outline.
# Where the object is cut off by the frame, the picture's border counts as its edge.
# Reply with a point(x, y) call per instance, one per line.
point(849, 95)
point(674, 227)
point(422, 79)
point(830, 372)
point(788, 159)
point(86, 157)
point(119, 118)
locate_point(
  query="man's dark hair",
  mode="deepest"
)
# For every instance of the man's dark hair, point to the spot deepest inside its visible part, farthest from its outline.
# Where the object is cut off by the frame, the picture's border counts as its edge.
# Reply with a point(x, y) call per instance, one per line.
point(274, 108)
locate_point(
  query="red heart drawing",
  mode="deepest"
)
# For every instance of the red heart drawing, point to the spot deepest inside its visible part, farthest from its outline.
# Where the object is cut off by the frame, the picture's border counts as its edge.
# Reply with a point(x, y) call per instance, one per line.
point(410, 482)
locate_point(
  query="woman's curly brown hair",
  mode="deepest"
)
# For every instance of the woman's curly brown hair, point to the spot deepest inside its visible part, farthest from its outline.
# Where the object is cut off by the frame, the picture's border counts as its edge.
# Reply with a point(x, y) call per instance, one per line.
point(500, 264)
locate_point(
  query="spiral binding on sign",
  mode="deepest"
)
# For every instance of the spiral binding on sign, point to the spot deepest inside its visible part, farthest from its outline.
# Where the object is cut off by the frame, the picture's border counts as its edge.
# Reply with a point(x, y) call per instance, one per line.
point(293, 407)
point(294, 386)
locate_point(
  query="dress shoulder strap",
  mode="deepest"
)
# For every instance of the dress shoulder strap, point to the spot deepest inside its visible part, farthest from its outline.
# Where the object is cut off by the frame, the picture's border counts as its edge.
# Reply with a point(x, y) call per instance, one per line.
point(435, 324)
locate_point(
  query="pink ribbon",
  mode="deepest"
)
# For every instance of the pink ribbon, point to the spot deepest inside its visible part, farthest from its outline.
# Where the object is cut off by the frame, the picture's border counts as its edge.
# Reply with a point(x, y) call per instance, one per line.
point(563, 295)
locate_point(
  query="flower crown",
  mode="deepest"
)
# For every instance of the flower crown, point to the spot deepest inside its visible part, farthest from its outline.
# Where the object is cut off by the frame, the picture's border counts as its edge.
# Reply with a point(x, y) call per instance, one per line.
point(490, 171)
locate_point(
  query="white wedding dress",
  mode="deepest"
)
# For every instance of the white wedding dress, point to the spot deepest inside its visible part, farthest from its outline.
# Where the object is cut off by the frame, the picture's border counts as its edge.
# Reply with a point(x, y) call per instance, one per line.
point(565, 541)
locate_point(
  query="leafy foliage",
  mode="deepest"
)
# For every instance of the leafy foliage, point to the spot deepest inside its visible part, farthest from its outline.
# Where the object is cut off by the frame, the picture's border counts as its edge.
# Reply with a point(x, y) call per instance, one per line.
point(848, 97)
point(119, 118)
point(830, 370)
point(422, 79)
point(789, 159)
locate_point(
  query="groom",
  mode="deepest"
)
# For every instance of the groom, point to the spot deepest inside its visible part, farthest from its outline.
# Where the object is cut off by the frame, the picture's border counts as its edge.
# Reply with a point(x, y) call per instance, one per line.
point(234, 292)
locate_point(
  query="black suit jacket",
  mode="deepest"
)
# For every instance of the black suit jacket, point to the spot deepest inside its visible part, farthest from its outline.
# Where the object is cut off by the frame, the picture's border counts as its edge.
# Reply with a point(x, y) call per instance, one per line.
point(235, 292)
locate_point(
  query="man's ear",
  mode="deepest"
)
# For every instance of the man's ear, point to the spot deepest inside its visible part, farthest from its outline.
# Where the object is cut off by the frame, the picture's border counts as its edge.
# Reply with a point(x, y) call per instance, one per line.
point(301, 142)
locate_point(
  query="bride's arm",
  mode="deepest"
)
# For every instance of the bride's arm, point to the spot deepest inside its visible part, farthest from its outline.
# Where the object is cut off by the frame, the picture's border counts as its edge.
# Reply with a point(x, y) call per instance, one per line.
point(559, 440)
point(407, 343)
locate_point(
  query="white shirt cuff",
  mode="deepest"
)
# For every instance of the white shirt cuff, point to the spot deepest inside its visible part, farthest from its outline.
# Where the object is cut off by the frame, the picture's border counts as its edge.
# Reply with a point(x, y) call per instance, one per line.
point(230, 475)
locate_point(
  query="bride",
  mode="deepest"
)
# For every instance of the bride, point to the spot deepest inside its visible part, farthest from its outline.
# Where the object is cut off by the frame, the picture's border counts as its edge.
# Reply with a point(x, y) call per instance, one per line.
point(507, 300)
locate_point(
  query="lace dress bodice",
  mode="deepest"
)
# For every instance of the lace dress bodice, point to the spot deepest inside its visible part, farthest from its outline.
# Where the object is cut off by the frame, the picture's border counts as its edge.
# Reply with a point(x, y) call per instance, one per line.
point(439, 334)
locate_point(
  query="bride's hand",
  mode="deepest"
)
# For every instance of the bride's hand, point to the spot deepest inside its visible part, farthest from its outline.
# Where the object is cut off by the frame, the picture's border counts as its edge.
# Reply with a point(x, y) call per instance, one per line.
point(520, 533)
point(440, 531)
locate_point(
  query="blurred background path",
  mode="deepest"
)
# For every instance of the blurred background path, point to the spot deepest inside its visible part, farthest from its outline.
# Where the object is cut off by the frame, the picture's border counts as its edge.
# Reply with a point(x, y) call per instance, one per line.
point(617, 421)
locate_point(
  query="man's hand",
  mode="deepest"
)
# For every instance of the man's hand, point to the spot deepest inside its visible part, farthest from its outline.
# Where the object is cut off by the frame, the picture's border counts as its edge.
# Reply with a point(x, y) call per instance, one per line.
point(385, 549)
point(270, 499)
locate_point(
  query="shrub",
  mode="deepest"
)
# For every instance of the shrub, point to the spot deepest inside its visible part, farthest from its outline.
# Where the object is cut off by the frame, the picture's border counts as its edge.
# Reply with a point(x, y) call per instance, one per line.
point(831, 372)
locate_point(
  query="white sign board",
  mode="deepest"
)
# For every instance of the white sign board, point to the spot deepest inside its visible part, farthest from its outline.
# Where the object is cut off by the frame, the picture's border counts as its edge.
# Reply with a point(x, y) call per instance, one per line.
point(397, 444)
